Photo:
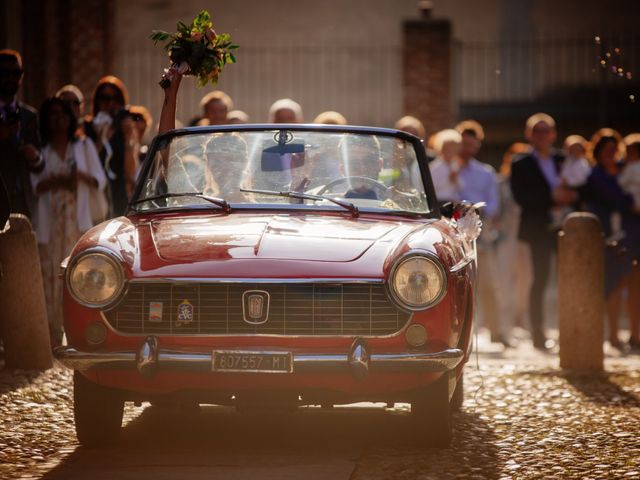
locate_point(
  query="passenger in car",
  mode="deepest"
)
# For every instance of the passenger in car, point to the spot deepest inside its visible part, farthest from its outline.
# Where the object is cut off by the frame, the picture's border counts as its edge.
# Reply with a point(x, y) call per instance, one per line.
point(226, 167)
point(361, 157)
point(322, 165)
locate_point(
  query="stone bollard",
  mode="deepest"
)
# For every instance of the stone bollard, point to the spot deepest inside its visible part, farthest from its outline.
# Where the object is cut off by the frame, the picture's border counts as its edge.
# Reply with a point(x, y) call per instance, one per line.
point(23, 314)
point(581, 293)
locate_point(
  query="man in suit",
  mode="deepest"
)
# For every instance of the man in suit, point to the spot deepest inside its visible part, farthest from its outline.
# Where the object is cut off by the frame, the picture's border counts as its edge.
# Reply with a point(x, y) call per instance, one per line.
point(538, 190)
point(19, 137)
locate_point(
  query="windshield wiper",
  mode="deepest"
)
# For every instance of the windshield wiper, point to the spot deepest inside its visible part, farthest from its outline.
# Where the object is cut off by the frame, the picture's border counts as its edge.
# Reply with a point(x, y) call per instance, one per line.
point(220, 202)
point(307, 196)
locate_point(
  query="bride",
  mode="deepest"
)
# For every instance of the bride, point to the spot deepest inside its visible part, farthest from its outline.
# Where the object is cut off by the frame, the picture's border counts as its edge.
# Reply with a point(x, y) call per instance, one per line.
point(225, 162)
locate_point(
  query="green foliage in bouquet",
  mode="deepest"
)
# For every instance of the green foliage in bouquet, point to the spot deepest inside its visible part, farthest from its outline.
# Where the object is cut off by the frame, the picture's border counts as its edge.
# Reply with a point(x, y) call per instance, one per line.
point(204, 52)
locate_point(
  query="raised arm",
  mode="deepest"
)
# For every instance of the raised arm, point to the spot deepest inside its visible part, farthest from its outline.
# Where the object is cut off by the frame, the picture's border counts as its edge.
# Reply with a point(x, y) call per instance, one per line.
point(168, 113)
point(168, 116)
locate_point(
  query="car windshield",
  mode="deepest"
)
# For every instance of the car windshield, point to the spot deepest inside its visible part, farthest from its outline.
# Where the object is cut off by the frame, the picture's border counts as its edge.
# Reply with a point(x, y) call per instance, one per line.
point(324, 169)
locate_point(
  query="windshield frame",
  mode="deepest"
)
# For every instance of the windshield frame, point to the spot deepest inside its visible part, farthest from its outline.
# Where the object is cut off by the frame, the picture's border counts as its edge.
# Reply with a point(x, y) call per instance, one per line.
point(161, 141)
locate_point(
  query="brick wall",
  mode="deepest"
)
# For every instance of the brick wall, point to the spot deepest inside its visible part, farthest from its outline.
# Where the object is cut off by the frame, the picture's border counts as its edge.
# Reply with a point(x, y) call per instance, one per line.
point(65, 41)
point(427, 72)
point(91, 45)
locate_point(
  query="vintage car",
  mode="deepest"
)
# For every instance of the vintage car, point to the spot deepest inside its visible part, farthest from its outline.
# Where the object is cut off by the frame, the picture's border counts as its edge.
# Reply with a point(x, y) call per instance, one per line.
point(272, 266)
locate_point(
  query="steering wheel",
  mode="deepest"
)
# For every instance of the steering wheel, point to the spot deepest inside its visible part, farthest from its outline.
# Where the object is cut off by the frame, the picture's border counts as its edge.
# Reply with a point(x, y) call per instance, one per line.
point(378, 187)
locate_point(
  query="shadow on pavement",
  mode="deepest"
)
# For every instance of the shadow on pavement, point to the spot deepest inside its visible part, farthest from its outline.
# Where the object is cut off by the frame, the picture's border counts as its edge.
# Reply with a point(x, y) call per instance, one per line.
point(14, 379)
point(596, 387)
point(601, 389)
point(473, 454)
point(312, 443)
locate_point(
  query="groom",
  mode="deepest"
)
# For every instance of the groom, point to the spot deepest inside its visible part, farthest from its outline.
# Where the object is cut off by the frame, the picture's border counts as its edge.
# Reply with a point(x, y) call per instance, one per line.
point(537, 189)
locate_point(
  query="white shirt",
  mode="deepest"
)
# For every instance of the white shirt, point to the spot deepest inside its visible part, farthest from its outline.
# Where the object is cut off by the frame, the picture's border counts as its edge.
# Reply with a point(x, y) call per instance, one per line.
point(629, 180)
point(476, 182)
point(85, 155)
point(575, 171)
point(446, 190)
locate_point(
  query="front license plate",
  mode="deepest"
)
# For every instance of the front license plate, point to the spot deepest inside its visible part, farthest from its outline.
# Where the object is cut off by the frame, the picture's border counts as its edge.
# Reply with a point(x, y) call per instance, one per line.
point(252, 362)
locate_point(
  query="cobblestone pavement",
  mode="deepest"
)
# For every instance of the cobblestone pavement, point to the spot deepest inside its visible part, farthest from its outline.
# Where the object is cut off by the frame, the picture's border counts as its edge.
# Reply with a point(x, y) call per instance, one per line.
point(522, 418)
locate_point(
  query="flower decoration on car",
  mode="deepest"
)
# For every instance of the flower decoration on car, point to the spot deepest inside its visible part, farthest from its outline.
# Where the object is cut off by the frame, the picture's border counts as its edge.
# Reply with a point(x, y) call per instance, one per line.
point(468, 219)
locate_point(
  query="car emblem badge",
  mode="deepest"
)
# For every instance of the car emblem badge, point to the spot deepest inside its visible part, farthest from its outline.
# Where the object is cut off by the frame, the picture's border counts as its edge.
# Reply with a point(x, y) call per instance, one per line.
point(155, 312)
point(185, 313)
point(255, 306)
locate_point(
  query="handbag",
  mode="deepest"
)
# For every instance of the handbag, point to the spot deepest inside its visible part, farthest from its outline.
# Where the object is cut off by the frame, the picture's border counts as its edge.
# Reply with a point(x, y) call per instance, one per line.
point(98, 205)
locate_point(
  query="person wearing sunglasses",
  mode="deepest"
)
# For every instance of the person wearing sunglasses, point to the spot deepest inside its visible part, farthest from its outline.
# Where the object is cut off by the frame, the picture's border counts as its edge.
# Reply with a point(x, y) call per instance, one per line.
point(98, 197)
point(19, 138)
point(73, 97)
point(113, 131)
point(143, 122)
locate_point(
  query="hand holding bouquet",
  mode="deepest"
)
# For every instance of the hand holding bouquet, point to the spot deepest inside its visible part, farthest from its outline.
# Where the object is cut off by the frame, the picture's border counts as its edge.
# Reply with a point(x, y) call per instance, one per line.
point(196, 50)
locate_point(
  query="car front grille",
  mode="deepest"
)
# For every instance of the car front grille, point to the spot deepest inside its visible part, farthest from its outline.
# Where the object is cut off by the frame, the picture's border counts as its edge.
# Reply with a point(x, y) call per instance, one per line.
point(294, 309)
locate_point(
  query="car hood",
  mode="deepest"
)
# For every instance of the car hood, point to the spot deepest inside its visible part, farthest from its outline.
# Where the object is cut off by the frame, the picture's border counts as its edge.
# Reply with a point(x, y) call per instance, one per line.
point(250, 245)
point(307, 238)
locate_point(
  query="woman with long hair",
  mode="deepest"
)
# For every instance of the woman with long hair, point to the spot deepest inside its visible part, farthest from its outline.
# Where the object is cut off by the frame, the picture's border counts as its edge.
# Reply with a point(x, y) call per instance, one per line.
point(605, 198)
point(113, 130)
point(72, 169)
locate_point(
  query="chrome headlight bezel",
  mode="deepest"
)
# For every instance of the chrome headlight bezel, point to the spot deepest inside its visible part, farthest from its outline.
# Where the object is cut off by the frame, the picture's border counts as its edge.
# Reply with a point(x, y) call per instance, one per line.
point(391, 284)
point(114, 261)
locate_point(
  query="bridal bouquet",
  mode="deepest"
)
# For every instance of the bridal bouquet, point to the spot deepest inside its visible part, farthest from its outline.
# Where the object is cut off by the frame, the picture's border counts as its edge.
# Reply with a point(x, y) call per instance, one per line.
point(196, 50)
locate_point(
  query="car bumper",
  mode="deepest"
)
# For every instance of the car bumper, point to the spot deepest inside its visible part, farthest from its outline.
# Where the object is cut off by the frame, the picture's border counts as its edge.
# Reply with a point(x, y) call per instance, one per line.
point(359, 361)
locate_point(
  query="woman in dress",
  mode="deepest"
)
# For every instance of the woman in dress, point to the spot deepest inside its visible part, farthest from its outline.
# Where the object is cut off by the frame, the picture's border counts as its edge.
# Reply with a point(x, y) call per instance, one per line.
point(72, 169)
point(605, 198)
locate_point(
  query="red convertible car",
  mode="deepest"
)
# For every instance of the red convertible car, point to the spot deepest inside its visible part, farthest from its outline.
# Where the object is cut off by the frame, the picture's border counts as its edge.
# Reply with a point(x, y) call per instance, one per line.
point(272, 266)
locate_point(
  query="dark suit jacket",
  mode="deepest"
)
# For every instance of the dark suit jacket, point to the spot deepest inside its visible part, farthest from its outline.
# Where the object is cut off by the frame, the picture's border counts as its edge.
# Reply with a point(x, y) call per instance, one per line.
point(13, 168)
point(5, 206)
point(533, 194)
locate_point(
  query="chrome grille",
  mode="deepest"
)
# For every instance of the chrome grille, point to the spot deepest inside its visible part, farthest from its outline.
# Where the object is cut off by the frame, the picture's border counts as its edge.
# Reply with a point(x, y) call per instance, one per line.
point(294, 309)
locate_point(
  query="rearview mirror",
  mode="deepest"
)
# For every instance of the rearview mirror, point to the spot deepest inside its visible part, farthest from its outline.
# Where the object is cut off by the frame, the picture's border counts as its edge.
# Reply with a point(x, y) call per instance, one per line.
point(282, 157)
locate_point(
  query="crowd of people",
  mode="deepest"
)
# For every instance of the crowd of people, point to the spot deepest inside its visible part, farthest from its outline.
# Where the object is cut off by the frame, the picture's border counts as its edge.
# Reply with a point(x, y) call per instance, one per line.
point(67, 169)
point(527, 200)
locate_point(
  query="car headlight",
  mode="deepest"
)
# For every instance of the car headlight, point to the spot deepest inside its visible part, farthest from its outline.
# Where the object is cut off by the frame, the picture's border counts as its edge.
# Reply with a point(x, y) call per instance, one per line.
point(95, 279)
point(418, 282)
